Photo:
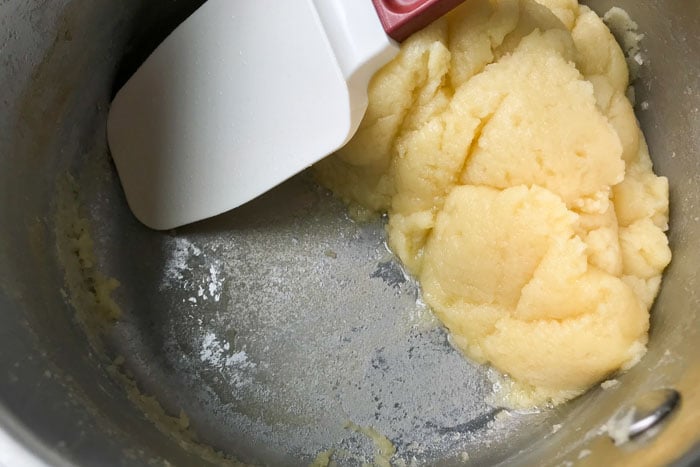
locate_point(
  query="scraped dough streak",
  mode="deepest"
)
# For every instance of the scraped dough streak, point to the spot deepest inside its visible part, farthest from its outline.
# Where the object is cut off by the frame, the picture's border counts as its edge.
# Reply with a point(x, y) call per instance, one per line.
point(519, 190)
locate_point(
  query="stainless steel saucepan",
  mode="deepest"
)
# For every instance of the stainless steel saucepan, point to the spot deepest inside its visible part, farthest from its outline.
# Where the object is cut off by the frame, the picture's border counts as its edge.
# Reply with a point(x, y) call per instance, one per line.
point(275, 332)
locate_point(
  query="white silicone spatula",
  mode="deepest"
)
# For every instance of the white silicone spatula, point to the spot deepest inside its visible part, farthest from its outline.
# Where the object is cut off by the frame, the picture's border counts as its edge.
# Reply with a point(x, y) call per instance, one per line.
point(246, 93)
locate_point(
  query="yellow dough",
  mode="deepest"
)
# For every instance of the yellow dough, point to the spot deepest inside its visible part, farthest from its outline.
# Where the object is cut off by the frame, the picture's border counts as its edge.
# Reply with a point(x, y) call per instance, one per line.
point(519, 189)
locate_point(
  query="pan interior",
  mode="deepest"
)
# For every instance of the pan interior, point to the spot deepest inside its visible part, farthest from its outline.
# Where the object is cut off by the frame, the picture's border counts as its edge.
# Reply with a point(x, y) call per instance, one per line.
point(276, 330)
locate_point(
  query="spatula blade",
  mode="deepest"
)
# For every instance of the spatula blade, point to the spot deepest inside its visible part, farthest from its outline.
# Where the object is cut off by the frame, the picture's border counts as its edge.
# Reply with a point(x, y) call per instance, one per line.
point(232, 103)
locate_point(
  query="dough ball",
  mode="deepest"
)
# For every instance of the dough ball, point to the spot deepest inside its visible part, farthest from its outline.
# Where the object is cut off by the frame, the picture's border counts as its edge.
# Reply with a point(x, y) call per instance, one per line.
point(519, 189)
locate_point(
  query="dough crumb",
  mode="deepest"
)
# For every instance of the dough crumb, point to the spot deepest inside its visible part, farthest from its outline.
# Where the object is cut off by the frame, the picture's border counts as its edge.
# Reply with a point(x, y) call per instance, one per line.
point(323, 459)
point(384, 449)
point(609, 384)
point(618, 427)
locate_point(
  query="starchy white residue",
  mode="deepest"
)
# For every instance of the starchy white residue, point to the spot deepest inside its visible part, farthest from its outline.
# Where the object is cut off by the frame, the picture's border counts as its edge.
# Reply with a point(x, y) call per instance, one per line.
point(178, 260)
point(625, 30)
point(218, 353)
point(189, 268)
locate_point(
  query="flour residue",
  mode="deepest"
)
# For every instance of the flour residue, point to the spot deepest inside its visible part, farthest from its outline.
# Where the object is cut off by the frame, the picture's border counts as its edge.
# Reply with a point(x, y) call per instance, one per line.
point(218, 353)
point(190, 269)
point(214, 283)
point(178, 262)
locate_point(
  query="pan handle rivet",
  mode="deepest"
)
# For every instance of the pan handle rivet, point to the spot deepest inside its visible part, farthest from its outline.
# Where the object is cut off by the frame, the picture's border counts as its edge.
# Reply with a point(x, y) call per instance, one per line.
point(645, 413)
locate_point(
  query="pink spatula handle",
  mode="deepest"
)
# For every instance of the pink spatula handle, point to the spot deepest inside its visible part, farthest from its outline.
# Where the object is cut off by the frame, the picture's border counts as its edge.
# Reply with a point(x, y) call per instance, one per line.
point(401, 18)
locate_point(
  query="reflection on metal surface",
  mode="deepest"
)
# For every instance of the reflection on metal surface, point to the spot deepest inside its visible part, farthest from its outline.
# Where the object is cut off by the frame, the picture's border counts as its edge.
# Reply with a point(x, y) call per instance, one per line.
point(652, 408)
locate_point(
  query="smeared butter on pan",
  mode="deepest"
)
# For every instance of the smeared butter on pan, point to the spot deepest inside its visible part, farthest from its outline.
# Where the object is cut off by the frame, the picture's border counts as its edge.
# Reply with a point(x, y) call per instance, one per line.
point(519, 190)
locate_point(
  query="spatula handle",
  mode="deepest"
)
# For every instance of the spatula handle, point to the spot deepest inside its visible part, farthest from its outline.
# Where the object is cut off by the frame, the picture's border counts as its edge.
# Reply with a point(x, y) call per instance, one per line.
point(401, 18)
